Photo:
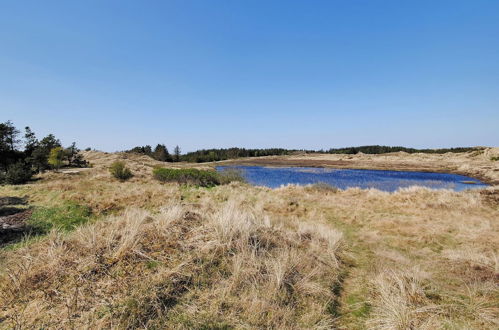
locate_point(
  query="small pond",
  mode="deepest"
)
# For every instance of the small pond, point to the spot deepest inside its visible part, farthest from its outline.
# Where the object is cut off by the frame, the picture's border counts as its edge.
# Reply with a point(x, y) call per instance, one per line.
point(274, 177)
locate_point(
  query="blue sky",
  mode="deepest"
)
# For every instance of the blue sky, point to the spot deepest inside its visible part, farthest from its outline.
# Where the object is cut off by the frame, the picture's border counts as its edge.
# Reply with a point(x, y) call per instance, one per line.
point(293, 74)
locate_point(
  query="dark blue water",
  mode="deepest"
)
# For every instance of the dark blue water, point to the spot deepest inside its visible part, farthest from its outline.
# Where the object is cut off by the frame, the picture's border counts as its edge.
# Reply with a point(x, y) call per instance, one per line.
point(345, 178)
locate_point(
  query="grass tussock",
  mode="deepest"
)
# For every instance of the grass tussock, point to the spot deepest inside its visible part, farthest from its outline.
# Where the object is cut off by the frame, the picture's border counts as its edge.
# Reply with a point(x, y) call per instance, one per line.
point(232, 267)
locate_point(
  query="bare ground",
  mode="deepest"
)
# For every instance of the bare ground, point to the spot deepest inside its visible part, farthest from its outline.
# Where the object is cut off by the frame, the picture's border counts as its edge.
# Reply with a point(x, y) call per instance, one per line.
point(13, 214)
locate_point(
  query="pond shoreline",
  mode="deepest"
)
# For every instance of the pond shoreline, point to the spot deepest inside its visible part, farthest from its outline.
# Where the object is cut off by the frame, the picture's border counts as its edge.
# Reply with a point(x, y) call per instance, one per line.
point(384, 180)
point(355, 165)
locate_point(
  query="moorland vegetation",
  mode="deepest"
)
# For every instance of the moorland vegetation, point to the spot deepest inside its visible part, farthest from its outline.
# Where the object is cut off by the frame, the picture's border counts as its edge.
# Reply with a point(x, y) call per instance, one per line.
point(181, 246)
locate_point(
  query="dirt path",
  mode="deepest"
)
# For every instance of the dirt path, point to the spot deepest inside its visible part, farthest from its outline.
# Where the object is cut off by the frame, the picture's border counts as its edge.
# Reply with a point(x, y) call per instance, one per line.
point(13, 216)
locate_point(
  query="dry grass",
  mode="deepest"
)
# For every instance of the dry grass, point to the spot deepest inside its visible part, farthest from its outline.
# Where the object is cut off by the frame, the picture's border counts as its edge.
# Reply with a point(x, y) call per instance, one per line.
point(167, 256)
point(181, 266)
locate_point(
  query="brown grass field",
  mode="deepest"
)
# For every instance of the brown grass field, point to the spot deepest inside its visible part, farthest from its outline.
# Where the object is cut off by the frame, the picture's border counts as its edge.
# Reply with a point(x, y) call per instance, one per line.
point(164, 256)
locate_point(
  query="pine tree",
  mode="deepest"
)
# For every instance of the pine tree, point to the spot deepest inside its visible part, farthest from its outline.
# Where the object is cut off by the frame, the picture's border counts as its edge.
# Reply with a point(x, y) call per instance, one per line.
point(161, 153)
point(176, 152)
point(30, 141)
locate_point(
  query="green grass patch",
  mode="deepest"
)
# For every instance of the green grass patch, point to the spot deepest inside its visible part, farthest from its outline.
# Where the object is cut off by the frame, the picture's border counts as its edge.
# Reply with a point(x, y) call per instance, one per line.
point(65, 218)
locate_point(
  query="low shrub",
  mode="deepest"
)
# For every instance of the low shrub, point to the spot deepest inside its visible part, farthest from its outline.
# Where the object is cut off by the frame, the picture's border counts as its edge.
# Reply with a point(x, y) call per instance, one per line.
point(192, 176)
point(18, 173)
point(494, 159)
point(120, 171)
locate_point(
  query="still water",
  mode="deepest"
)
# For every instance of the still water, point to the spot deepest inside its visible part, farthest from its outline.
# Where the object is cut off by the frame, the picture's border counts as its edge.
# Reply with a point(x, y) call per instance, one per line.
point(346, 178)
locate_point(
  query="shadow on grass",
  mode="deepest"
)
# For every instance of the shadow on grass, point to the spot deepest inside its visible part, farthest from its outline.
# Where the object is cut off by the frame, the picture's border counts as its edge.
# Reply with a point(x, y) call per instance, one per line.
point(18, 224)
point(13, 215)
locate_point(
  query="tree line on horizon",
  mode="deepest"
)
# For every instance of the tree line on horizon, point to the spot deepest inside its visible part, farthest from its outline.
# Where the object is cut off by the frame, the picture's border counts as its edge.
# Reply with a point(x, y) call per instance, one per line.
point(377, 149)
point(21, 158)
point(160, 152)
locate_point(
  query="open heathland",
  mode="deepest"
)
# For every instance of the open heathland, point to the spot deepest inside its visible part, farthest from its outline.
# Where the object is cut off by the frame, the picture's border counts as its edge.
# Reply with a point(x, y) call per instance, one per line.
point(99, 252)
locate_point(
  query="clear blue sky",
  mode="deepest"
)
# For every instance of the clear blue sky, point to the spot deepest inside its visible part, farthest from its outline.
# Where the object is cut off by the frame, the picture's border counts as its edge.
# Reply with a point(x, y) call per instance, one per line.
point(294, 74)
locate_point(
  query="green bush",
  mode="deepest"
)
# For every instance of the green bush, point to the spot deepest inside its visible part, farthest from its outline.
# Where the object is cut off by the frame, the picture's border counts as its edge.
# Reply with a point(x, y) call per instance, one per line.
point(494, 159)
point(120, 171)
point(192, 176)
point(56, 156)
point(18, 173)
point(66, 218)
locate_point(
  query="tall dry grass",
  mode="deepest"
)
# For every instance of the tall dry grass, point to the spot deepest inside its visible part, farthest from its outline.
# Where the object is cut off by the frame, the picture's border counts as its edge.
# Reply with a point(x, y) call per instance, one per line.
point(179, 267)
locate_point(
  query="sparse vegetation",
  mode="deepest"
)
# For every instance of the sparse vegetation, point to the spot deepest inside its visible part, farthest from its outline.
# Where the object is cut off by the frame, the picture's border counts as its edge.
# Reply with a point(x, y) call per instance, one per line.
point(119, 170)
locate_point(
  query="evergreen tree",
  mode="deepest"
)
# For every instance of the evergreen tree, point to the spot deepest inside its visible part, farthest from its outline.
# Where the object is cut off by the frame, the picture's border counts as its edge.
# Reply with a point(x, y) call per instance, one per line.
point(8, 145)
point(30, 141)
point(8, 136)
point(70, 153)
point(50, 142)
point(176, 152)
point(161, 153)
point(40, 155)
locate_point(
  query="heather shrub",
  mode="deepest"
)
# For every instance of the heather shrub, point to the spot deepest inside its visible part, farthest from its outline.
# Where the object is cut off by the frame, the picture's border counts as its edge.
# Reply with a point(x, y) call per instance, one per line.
point(192, 176)
point(120, 171)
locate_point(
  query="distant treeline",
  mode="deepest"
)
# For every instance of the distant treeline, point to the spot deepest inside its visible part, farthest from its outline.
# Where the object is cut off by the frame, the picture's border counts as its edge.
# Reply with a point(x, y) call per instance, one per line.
point(160, 152)
point(21, 157)
point(210, 155)
point(385, 149)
